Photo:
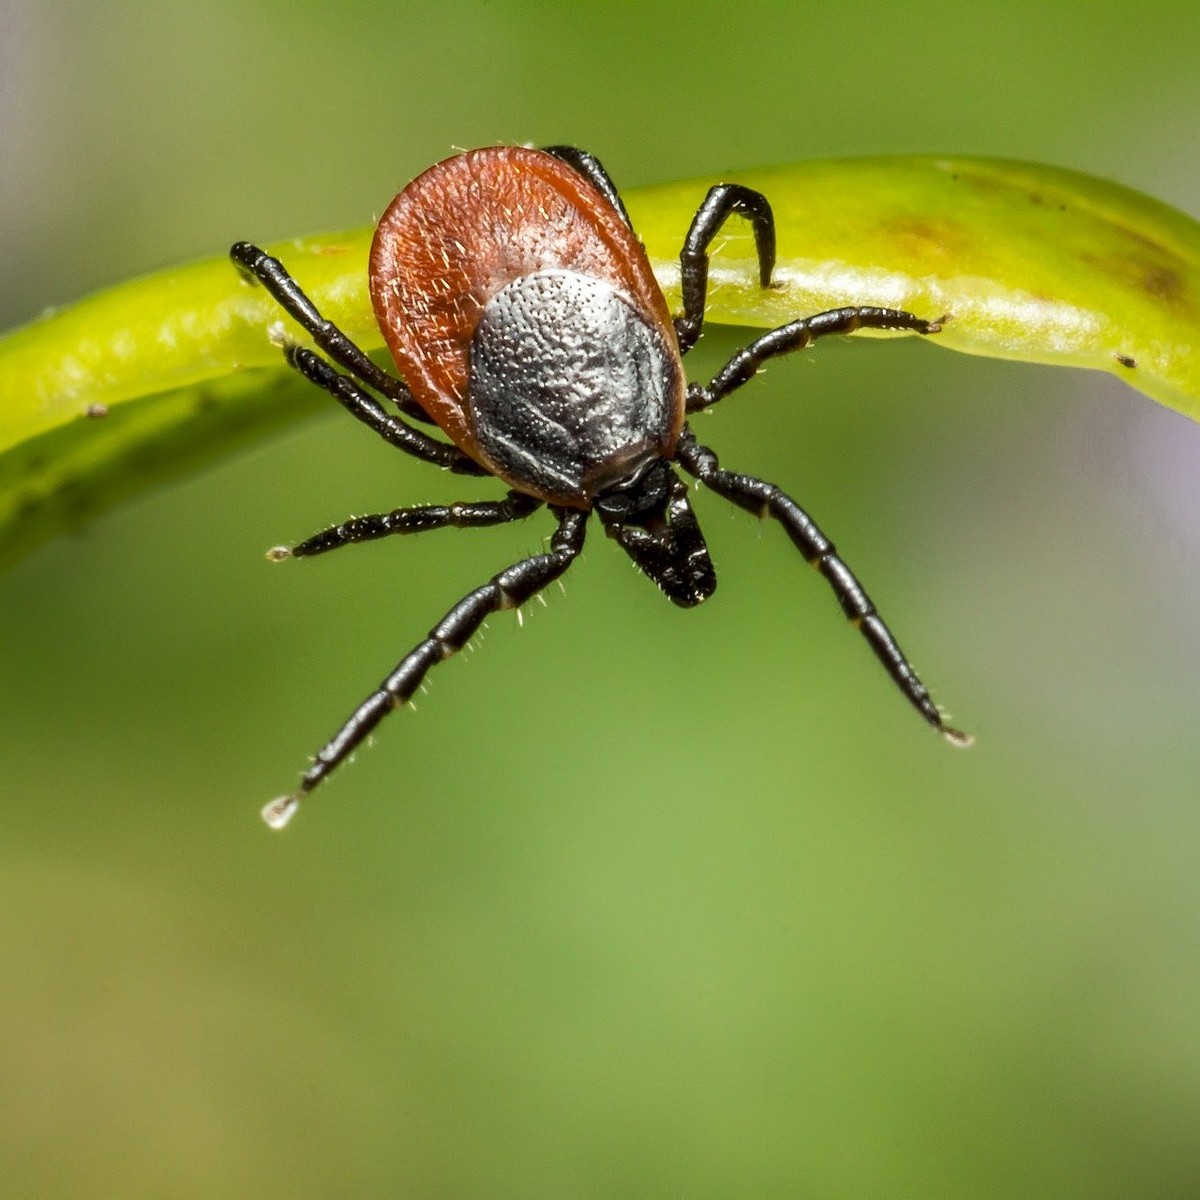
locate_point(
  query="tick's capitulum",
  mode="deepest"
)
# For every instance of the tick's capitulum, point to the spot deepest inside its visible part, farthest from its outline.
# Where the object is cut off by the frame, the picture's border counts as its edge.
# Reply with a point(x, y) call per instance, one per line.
point(526, 324)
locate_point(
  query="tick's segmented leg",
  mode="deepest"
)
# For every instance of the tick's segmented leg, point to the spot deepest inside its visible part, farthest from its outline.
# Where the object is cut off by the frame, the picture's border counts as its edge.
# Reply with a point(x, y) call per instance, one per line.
point(509, 589)
point(412, 520)
point(765, 499)
point(797, 335)
point(259, 267)
point(722, 201)
point(361, 404)
point(590, 167)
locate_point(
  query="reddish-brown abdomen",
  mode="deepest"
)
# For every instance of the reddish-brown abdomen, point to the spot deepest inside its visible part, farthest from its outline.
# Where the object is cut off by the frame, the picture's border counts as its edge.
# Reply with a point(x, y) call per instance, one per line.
point(467, 228)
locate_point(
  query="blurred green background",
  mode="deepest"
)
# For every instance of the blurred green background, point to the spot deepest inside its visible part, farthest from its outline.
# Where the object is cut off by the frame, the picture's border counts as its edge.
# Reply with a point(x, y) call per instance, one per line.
point(640, 902)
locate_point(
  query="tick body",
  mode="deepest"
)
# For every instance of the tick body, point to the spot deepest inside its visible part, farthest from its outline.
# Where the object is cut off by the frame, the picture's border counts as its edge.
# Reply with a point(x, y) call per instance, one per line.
point(524, 317)
point(527, 325)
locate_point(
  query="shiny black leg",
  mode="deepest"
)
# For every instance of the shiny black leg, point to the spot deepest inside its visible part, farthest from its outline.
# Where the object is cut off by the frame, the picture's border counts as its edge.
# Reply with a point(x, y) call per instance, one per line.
point(722, 201)
point(509, 589)
point(766, 500)
point(257, 266)
point(590, 167)
point(359, 403)
point(412, 520)
point(796, 335)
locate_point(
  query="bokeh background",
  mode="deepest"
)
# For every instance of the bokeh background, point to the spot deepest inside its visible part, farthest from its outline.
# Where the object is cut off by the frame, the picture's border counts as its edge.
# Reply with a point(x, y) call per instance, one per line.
point(639, 902)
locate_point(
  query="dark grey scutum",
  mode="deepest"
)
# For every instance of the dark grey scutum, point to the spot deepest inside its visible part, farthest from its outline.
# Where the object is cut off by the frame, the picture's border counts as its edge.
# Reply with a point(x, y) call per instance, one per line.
point(571, 387)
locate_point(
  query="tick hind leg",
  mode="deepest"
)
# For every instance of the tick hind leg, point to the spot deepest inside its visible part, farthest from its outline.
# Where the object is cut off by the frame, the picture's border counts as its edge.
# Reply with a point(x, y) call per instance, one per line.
point(509, 589)
point(258, 266)
point(722, 201)
point(765, 499)
point(590, 167)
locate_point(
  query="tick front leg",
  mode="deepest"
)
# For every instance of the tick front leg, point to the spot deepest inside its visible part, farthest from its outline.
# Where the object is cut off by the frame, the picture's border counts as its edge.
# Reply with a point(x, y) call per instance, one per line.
point(766, 500)
point(509, 589)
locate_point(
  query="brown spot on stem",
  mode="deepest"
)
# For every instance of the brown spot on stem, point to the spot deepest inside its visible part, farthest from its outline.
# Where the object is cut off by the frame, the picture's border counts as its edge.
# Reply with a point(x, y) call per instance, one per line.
point(927, 238)
point(1159, 281)
point(1163, 283)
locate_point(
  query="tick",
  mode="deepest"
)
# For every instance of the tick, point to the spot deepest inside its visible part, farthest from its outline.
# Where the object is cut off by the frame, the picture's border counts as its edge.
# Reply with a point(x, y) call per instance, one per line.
point(527, 326)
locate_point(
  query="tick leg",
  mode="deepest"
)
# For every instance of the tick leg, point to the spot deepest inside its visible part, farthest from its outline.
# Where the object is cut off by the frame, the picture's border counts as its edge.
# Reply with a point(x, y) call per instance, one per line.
point(413, 520)
point(766, 500)
point(797, 335)
point(509, 589)
point(721, 202)
point(259, 267)
point(361, 404)
point(590, 167)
